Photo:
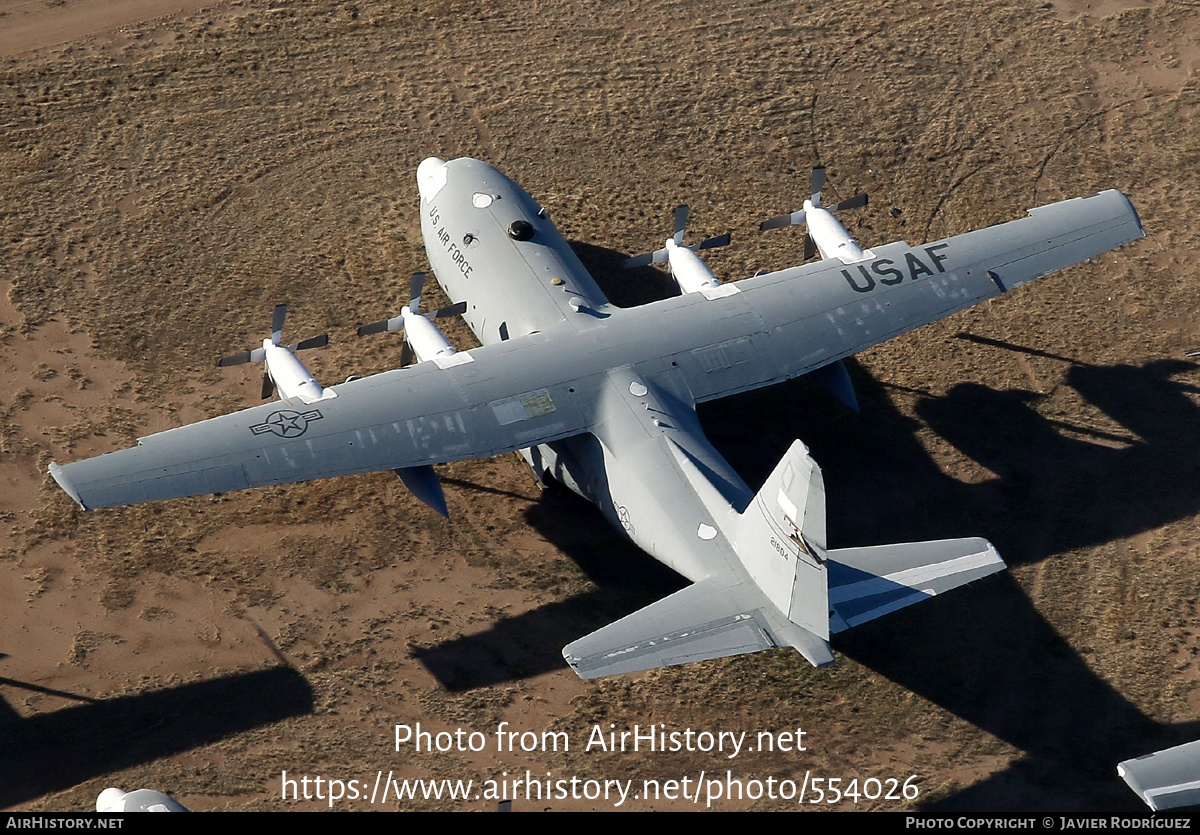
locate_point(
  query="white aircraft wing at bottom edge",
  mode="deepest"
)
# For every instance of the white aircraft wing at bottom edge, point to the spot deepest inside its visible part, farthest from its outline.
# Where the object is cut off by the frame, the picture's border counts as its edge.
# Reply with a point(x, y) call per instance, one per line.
point(1166, 779)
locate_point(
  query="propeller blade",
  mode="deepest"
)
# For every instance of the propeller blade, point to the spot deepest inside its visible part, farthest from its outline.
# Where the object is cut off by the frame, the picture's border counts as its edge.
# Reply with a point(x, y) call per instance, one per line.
point(639, 261)
point(415, 290)
point(782, 221)
point(810, 246)
point(681, 218)
point(504, 331)
point(374, 327)
point(713, 243)
point(315, 342)
point(268, 387)
point(855, 202)
point(818, 180)
point(277, 320)
point(236, 359)
point(453, 310)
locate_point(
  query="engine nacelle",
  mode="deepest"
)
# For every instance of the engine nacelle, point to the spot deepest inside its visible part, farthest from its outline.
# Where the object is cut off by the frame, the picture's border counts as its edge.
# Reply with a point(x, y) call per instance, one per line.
point(831, 238)
point(290, 375)
point(689, 270)
point(424, 337)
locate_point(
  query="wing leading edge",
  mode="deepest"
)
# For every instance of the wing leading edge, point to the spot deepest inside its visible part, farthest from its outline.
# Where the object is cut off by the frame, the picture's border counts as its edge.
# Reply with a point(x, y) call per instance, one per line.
point(803, 318)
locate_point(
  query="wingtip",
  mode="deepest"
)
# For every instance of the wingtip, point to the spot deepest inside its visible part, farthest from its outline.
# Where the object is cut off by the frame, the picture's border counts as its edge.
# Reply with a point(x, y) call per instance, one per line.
point(61, 478)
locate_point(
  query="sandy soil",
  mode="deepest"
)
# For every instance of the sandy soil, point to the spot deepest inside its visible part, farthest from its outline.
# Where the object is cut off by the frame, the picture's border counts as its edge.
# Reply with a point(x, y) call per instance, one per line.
point(167, 178)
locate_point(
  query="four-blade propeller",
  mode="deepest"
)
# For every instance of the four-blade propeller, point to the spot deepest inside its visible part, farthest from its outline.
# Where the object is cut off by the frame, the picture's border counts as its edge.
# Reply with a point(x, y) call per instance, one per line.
point(661, 255)
point(275, 366)
point(825, 234)
point(421, 336)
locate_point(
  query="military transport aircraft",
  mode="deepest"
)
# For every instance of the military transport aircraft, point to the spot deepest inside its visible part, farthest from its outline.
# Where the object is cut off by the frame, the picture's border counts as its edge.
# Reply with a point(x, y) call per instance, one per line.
point(603, 400)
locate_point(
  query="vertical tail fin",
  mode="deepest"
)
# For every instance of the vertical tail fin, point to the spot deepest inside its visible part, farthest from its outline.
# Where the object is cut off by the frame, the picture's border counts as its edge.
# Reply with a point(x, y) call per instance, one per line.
point(780, 539)
point(781, 542)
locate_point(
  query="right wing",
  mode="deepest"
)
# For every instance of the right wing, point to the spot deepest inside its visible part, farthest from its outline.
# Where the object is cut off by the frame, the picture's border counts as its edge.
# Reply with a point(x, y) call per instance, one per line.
point(806, 317)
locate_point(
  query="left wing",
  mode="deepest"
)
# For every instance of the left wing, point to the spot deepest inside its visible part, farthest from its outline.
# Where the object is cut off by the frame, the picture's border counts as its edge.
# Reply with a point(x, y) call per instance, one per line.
point(406, 418)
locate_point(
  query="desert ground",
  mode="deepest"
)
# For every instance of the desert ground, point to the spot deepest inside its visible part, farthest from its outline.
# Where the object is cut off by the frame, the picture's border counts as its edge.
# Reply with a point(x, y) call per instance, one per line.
point(170, 171)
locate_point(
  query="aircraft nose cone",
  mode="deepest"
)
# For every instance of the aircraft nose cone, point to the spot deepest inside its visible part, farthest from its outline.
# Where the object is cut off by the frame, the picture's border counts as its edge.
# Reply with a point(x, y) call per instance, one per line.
point(431, 176)
point(111, 800)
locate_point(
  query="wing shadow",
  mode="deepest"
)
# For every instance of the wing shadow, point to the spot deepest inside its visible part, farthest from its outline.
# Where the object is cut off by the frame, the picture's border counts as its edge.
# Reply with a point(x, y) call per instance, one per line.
point(531, 643)
point(985, 653)
point(53, 751)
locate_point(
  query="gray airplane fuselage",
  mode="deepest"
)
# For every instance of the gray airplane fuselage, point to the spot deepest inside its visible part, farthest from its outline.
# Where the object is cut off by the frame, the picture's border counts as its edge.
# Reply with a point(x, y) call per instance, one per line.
point(515, 287)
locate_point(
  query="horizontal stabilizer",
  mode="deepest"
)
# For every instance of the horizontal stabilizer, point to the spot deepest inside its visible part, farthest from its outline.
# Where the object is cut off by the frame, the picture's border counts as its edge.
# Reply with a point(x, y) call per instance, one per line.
point(1166, 779)
point(709, 619)
point(866, 583)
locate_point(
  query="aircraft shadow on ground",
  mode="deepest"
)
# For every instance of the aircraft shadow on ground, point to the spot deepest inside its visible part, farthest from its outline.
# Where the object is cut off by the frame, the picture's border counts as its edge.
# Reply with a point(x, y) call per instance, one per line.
point(984, 653)
point(53, 751)
point(531, 643)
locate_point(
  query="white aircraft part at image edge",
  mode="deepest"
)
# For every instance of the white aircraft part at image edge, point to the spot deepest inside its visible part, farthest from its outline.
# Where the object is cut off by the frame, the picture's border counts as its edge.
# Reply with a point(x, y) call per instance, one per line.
point(603, 400)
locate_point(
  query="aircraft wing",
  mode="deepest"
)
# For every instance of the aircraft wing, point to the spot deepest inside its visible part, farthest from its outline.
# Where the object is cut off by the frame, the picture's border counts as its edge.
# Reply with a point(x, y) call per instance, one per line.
point(541, 387)
point(405, 418)
point(803, 318)
point(1166, 779)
